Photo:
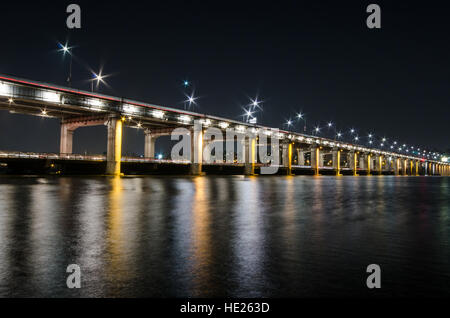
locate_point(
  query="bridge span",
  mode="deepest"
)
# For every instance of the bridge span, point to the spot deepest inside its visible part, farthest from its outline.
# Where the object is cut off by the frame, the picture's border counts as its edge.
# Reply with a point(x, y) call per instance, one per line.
point(298, 153)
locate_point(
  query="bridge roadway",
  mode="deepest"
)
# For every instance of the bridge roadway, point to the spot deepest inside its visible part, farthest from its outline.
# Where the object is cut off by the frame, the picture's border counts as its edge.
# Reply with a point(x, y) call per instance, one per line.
point(298, 152)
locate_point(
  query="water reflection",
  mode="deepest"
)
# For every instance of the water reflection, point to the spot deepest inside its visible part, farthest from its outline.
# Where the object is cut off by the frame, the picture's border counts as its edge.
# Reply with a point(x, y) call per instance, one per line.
point(248, 240)
point(201, 237)
point(223, 236)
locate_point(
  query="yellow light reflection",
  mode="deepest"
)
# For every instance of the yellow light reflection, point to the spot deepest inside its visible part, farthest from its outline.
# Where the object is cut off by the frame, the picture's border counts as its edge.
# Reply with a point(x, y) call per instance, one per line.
point(116, 269)
point(201, 236)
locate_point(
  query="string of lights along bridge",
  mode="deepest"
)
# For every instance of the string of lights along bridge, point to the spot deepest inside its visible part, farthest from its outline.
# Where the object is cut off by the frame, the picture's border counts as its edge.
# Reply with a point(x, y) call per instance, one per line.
point(299, 153)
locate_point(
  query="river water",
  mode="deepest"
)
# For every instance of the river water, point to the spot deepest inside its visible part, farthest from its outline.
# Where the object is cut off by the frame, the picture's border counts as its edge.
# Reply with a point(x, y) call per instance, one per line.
point(226, 236)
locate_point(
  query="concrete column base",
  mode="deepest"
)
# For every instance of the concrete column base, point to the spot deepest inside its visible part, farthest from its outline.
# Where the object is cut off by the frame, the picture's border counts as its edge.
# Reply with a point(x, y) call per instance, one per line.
point(249, 169)
point(196, 169)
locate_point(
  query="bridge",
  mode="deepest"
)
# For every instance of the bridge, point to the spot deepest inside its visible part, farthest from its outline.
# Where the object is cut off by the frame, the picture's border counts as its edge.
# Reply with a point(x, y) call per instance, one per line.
point(299, 153)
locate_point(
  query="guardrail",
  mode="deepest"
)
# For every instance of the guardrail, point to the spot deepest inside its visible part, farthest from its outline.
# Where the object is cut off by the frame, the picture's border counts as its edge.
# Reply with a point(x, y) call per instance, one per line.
point(40, 155)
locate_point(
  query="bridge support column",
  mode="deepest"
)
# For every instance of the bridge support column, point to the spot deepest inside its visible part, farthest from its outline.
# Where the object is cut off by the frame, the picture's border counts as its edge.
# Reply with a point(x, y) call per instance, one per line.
point(388, 166)
point(337, 161)
point(396, 166)
point(315, 154)
point(368, 160)
point(149, 146)
point(322, 159)
point(362, 163)
point(66, 141)
point(287, 157)
point(196, 149)
point(405, 167)
point(352, 162)
point(114, 150)
point(417, 168)
point(379, 164)
point(250, 156)
point(300, 157)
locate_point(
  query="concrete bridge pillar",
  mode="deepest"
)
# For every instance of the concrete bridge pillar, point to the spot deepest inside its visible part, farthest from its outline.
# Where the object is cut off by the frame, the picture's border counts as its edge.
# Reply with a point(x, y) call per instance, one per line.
point(66, 140)
point(352, 162)
point(405, 167)
point(379, 164)
point(321, 159)
point(368, 163)
point(301, 157)
point(114, 149)
point(389, 164)
point(250, 155)
point(396, 166)
point(315, 154)
point(149, 147)
point(287, 157)
point(425, 168)
point(362, 161)
point(196, 149)
point(417, 168)
point(337, 161)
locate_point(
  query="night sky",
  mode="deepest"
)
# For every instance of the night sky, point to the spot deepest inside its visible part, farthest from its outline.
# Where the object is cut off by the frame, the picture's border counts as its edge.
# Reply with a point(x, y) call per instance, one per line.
point(318, 57)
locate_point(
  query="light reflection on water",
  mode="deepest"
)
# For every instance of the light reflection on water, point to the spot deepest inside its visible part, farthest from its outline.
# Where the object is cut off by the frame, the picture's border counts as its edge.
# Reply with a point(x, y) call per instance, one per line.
point(224, 236)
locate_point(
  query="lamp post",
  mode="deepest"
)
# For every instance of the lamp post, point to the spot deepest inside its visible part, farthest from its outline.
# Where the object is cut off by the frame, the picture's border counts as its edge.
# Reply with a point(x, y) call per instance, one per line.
point(98, 78)
point(66, 49)
point(302, 116)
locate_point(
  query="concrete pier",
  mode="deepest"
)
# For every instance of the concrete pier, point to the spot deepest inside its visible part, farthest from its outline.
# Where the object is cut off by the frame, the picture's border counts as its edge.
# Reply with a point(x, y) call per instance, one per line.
point(114, 148)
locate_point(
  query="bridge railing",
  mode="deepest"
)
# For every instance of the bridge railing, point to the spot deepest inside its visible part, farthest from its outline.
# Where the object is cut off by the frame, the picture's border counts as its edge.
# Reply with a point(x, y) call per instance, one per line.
point(41, 155)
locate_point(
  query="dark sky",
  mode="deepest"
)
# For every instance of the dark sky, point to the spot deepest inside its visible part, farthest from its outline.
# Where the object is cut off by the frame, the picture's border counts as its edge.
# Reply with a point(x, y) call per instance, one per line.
point(314, 56)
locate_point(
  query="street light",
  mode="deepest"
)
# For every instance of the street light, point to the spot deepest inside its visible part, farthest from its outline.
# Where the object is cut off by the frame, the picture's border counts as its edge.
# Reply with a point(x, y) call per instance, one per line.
point(248, 114)
point(289, 123)
point(302, 116)
point(98, 78)
point(65, 49)
point(317, 129)
point(254, 103)
point(191, 100)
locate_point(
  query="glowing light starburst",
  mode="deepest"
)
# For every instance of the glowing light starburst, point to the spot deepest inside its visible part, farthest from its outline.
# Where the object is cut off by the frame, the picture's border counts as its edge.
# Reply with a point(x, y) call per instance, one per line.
point(191, 100)
point(255, 103)
point(248, 114)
